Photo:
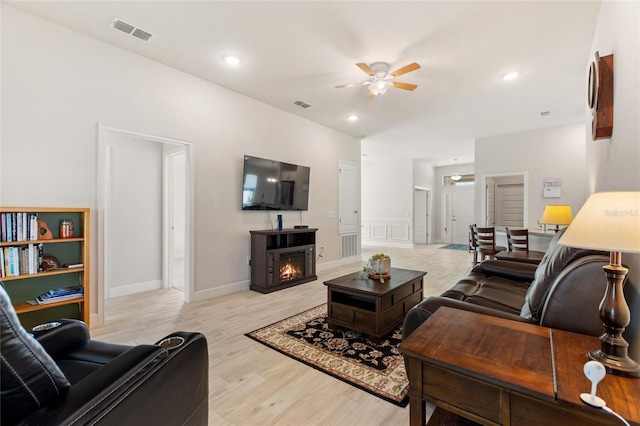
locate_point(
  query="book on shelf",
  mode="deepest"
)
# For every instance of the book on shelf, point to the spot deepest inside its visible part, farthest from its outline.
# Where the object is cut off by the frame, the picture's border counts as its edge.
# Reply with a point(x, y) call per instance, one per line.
point(44, 301)
point(63, 291)
point(58, 295)
point(20, 260)
point(17, 227)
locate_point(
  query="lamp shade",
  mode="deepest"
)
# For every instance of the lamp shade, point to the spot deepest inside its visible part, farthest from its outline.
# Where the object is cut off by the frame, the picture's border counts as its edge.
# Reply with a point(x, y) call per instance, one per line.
point(555, 214)
point(607, 221)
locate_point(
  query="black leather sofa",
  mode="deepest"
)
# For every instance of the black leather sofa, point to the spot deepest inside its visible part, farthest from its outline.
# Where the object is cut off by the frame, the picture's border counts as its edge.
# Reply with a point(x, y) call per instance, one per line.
point(564, 291)
point(57, 375)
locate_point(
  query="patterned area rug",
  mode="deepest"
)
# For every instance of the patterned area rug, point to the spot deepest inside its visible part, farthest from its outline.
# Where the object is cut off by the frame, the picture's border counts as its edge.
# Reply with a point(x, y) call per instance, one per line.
point(343, 354)
point(456, 247)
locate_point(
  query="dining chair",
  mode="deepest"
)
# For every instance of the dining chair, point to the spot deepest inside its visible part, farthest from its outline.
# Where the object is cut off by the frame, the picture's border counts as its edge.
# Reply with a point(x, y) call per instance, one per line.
point(484, 242)
point(518, 241)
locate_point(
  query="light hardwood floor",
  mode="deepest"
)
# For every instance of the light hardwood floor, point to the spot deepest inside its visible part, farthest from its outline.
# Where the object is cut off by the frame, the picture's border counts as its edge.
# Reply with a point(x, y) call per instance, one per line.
point(250, 384)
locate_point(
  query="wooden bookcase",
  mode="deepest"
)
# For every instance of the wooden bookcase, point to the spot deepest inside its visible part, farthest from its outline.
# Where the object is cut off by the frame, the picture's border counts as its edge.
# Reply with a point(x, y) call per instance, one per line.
point(75, 250)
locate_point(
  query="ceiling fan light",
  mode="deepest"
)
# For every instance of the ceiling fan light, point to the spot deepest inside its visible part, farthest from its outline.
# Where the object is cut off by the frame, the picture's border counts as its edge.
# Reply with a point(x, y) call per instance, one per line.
point(379, 87)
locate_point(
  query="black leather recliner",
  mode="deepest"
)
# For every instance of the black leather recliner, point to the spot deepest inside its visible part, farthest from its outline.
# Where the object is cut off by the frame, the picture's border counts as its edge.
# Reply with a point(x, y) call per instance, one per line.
point(564, 291)
point(57, 375)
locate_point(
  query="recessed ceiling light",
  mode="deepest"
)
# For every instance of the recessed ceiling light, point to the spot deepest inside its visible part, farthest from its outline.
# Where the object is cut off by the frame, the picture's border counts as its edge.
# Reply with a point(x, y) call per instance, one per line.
point(352, 117)
point(511, 75)
point(231, 60)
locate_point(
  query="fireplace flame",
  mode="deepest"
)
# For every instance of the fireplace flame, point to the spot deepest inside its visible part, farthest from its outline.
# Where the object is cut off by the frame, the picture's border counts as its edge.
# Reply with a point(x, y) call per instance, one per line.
point(289, 272)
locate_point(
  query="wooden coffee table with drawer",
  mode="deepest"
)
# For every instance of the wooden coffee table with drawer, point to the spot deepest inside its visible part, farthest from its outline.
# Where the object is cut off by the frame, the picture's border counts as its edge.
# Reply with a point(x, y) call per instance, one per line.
point(360, 303)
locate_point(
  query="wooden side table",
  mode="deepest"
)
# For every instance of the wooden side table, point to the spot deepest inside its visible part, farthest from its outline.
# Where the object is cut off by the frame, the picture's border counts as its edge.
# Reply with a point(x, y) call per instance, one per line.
point(500, 372)
point(533, 257)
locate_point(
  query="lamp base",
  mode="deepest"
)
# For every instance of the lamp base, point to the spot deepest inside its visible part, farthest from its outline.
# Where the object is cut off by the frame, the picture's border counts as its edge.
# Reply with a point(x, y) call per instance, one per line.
point(615, 316)
point(616, 365)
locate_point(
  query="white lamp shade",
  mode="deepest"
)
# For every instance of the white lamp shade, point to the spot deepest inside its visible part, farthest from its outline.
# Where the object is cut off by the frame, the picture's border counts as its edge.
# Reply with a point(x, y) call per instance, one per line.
point(607, 221)
point(555, 214)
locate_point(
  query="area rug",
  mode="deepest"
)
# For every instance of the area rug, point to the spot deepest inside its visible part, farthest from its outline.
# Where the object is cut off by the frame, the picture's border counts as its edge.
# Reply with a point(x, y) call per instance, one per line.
point(343, 354)
point(456, 247)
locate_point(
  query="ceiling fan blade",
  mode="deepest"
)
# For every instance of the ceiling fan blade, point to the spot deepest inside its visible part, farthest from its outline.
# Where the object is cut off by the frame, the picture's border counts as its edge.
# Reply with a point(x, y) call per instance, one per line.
point(405, 86)
point(340, 86)
point(364, 67)
point(407, 68)
point(370, 95)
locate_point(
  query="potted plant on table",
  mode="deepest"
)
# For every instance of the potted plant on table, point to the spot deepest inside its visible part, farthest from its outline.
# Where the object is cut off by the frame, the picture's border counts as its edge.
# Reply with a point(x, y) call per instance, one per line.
point(378, 266)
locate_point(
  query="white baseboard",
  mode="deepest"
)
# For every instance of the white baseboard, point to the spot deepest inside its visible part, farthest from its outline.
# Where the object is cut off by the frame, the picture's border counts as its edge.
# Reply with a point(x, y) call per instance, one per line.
point(211, 293)
point(334, 263)
point(378, 243)
point(126, 290)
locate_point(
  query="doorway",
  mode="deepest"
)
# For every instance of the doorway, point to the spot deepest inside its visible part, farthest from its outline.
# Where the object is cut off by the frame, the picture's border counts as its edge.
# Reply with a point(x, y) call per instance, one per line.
point(348, 207)
point(421, 216)
point(116, 212)
point(504, 200)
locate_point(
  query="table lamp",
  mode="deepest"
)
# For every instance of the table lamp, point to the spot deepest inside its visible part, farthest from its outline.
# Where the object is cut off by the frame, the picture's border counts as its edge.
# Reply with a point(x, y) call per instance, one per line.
point(555, 214)
point(610, 221)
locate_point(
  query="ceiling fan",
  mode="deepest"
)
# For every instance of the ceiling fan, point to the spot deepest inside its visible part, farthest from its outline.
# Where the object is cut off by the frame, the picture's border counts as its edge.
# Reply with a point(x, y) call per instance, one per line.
point(380, 79)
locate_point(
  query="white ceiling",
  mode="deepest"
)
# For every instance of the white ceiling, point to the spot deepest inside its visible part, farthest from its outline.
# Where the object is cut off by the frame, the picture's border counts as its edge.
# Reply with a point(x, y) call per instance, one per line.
point(299, 50)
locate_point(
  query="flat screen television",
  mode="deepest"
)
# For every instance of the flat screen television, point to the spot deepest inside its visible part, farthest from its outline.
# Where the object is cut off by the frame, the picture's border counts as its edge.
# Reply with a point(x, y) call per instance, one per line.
point(274, 185)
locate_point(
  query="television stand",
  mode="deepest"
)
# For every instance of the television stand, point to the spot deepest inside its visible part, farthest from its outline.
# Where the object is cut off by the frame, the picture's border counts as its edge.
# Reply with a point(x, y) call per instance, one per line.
point(282, 259)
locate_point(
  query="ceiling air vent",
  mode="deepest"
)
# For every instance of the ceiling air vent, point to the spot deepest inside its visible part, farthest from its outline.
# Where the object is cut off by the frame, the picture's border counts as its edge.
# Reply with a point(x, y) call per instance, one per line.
point(130, 29)
point(302, 104)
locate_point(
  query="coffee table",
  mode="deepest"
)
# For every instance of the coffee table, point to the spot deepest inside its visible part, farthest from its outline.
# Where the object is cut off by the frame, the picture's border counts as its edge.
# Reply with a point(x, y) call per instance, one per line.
point(366, 305)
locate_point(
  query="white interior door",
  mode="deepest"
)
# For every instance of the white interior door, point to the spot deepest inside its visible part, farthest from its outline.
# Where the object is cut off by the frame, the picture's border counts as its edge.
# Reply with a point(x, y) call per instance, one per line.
point(176, 232)
point(348, 198)
point(462, 215)
point(490, 197)
point(420, 215)
point(509, 205)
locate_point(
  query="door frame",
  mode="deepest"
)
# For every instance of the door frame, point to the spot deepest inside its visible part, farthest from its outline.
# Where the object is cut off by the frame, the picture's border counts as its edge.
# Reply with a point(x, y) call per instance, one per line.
point(103, 191)
point(483, 196)
point(429, 212)
point(168, 197)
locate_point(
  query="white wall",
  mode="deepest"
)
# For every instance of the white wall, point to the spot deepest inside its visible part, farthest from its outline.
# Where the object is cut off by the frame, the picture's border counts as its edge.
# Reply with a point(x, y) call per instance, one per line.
point(423, 174)
point(557, 152)
point(57, 85)
point(612, 164)
point(135, 240)
point(387, 201)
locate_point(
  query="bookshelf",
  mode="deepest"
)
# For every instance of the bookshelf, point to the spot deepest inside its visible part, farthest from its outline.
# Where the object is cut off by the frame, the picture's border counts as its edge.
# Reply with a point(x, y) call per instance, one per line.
point(27, 285)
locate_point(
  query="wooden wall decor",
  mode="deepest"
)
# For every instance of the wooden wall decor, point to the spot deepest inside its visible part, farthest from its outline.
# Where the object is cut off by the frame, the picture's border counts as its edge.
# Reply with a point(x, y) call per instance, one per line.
point(44, 233)
point(600, 97)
